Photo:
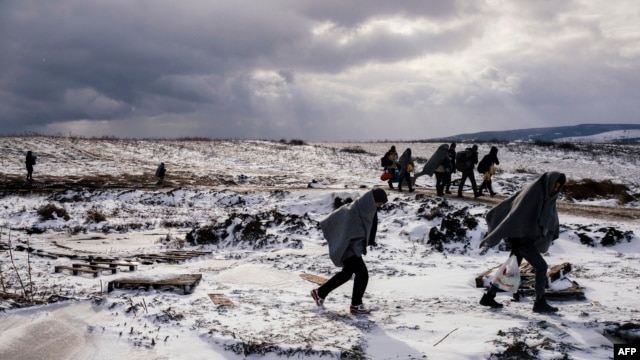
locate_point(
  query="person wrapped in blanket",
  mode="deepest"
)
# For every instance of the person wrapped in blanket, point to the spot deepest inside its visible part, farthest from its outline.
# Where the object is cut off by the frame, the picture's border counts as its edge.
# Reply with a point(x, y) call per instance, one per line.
point(528, 222)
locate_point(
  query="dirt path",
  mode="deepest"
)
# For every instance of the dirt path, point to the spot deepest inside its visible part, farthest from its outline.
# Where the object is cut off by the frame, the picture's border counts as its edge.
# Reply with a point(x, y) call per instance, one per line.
point(17, 185)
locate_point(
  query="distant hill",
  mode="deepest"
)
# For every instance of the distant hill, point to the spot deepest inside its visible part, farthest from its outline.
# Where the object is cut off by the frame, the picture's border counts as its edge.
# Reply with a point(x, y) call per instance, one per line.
point(606, 133)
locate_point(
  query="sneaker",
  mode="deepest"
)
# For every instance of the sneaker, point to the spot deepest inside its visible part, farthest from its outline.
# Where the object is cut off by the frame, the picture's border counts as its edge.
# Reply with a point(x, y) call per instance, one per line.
point(319, 301)
point(541, 306)
point(490, 301)
point(359, 309)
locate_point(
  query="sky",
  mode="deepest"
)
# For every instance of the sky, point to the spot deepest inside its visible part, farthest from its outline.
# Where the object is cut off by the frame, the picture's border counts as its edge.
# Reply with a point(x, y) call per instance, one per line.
point(314, 70)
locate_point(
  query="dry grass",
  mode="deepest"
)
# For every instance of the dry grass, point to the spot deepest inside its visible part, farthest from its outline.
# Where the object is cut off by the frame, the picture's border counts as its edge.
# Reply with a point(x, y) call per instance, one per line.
point(591, 189)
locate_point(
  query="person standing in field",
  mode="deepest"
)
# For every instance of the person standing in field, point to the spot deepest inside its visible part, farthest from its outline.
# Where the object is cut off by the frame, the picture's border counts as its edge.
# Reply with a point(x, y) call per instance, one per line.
point(528, 222)
point(30, 161)
point(348, 231)
point(160, 172)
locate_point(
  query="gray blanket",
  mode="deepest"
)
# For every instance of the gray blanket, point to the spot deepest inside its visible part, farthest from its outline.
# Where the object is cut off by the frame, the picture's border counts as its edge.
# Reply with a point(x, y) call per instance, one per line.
point(347, 229)
point(438, 157)
point(529, 214)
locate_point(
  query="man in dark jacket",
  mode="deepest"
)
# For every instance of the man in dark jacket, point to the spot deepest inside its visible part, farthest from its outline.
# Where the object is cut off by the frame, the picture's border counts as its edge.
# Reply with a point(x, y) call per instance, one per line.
point(466, 168)
point(528, 222)
point(349, 230)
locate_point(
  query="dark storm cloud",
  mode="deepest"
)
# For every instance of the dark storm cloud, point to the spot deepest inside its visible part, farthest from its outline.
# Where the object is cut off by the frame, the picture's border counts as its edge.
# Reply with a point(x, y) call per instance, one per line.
point(308, 69)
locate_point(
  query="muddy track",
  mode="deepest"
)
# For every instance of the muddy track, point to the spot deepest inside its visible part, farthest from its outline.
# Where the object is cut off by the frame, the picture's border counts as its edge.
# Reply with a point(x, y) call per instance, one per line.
point(17, 185)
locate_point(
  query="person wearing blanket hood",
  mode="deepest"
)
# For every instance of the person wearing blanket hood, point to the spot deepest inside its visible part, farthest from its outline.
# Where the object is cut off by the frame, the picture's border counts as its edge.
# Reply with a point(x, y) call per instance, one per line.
point(528, 222)
point(440, 164)
point(349, 230)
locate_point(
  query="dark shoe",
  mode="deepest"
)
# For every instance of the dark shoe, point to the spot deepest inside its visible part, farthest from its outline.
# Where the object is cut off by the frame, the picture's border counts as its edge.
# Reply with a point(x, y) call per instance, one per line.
point(477, 195)
point(492, 194)
point(447, 192)
point(440, 194)
point(391, 186)
point(541, 306)
point(412, 190)
point(488, 300)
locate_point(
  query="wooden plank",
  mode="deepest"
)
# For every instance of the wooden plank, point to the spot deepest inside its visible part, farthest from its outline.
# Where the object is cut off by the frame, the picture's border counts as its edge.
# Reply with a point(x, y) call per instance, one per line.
point(221, 300)
point(314, 278)
point(186, 281)
point(76, 270)
point(131, 266)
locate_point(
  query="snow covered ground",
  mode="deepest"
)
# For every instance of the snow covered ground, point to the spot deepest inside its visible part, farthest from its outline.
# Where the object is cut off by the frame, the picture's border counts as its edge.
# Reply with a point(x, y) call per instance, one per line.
point(424, 291)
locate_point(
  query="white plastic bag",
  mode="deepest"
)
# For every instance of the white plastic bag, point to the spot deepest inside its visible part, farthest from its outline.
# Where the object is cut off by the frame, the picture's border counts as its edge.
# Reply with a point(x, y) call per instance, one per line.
point(507, 277)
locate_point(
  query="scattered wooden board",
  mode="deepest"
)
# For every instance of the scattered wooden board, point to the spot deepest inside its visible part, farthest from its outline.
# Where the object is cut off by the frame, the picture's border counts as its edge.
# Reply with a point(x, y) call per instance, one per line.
point(186, 281)
point(314, 278)
point(221, 300)
point(527, 282)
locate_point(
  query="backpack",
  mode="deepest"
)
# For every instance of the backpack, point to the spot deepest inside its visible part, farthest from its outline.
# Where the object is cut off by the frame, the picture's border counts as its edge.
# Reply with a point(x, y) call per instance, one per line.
point(464, 160)
point(33, 160)
point(384, 161)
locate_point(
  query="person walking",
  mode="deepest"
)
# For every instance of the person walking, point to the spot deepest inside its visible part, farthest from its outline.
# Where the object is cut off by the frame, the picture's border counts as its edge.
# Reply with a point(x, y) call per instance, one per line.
point(440, 165)
point(528, 222)
point(390, 163)
point(405, 164)
point(452, 158)
point(30, 161)
point(486, 167)
point(466, 164)
point(349, 230)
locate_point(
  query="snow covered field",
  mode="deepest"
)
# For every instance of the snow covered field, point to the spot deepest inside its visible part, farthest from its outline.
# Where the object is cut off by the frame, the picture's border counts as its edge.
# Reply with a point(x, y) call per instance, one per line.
point(424, 291)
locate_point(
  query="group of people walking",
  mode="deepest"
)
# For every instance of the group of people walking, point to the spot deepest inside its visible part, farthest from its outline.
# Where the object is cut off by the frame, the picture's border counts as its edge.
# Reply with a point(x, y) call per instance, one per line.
point(527, 221)
point(444, 162)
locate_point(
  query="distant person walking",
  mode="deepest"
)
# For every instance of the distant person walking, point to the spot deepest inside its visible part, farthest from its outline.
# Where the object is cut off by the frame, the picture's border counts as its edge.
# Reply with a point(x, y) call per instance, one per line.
point(390, 163)
point(452, 158)
point(405, 164)
point(30, 161)
point(465, 163)
point(486, 167)
point(440, 165)
point(160, 172)
point(349, 230)
point(528, 222)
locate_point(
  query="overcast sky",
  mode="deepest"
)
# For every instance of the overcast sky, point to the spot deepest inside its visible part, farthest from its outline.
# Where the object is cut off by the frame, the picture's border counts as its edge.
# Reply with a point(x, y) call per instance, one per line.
point(315, 70)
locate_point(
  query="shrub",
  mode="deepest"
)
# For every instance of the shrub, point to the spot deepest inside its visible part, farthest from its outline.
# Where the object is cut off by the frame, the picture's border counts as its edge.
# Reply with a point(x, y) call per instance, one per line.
point(48, 211)
point(94, 215)
point(592, 189)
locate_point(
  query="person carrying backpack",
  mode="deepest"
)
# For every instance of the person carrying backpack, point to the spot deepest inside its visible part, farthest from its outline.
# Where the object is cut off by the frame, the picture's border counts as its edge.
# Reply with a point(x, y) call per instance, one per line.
point(465, 163)
point(487, 169)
